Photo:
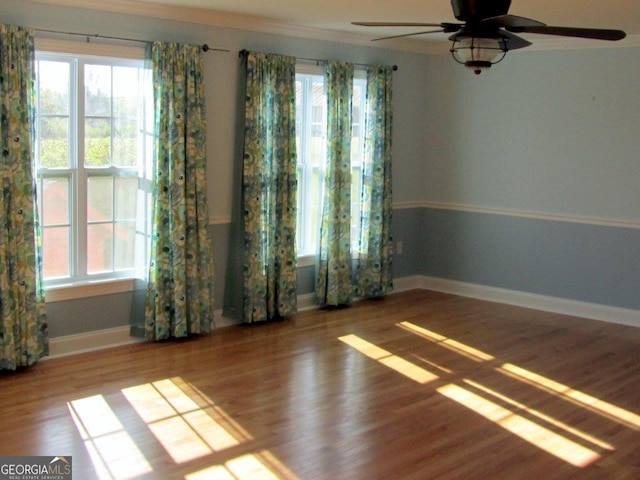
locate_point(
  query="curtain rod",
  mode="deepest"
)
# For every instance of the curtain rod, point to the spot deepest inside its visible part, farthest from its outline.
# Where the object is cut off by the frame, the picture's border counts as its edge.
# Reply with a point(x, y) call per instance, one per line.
point(204, 47)
point(244, 52)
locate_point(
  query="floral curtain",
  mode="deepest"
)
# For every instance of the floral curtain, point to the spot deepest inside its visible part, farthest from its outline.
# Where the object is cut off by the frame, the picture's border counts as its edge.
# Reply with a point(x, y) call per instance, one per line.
point(179, 299)
point(334, 283)
point(23, 323)
point(374, 276)
point(269, 184)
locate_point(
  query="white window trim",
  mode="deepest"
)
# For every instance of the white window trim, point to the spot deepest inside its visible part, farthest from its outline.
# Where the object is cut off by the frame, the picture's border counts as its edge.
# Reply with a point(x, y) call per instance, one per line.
point(74, 291)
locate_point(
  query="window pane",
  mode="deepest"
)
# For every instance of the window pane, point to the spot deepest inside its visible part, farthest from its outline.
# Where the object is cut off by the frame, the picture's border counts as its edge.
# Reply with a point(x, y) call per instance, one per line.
point(99, 248)
point(357, 142)
point(55, 252)
point(125, 236)
point(125, 142)
point(357, 158)
point(53, 142)
point(356, 102)
point(99, 199)
point(314, 207)
point(299, 107)
point(55, 201)
point(97, 144)
point(97, 90)
point(318, 123)
point(356, 198)
point(53, 88)
point(147, 169)
point(126, 198)
point(126, 101)
point(318, 102)
point(125, 92)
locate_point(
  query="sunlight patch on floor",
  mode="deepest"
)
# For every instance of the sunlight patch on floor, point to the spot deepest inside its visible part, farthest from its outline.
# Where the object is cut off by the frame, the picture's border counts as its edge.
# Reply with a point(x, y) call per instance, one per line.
point(522, 424)
point(612, 412)
point(593, 404)
point(114, 454)
point(190, 426)
point(259, 466)
point(181, 425)
point(528, 430)
point(183, 420)
point(544, 417)
point(432, 364)
point(543, 438)
point(389, 360)
point(454, 345)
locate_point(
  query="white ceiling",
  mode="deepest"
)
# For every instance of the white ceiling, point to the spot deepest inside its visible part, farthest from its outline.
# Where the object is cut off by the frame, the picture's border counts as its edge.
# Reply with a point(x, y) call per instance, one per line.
point(332, 19)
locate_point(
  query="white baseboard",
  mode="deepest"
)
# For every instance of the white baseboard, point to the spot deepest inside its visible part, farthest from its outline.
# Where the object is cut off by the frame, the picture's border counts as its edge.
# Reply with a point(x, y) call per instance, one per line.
point(113, 337)
point(118, 336)
point(307, 302)
point(90, 341)
point(222, 321)
point(404, 284)
point(592, 311)
point(108, 338)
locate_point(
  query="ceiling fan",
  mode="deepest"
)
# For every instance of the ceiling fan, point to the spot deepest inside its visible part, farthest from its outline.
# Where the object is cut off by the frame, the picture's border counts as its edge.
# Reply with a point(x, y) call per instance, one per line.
point(488, 32)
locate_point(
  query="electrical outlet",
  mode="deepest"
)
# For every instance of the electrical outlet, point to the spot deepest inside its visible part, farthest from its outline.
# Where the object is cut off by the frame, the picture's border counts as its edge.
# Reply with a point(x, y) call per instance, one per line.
point(399, 248)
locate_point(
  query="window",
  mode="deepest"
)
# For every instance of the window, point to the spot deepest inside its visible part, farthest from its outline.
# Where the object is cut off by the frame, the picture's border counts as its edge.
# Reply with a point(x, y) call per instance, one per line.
point(92, 141)
point(311, 131)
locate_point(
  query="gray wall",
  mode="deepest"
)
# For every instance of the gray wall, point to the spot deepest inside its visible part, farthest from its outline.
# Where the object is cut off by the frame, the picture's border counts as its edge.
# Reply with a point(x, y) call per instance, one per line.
point(589, 263)
point(552, 132)
point(548, 134)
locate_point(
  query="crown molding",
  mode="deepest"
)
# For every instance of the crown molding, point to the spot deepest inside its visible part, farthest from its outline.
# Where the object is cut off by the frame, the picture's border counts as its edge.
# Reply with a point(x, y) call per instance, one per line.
point(261, 24)
point(161, 11)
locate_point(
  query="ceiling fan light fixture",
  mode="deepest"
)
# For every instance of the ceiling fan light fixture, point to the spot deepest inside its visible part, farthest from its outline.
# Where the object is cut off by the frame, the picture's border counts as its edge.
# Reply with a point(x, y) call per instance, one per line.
point(478, 53)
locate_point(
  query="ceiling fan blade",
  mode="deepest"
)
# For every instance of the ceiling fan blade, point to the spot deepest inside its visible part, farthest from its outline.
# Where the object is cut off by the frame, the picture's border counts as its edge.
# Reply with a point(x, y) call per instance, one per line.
point(445, 26)
point(594, 33)
point(514, 42)
point(410, 34)
point(512, 21)
point(397, 24)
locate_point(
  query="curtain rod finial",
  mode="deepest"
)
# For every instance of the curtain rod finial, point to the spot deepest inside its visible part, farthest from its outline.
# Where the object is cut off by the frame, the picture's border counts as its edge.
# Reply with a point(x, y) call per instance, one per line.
point(395, 68)
point(205, 48)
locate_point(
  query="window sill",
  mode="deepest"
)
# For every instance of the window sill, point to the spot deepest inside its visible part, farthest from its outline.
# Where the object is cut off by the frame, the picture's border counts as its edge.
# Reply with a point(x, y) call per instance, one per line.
point(310, 260)
point(306, 260)
point(61, 293)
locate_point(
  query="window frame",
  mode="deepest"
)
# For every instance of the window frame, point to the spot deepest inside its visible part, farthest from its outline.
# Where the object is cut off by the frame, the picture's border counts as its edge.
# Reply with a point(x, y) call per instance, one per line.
point(80, 283)
point(307, 254)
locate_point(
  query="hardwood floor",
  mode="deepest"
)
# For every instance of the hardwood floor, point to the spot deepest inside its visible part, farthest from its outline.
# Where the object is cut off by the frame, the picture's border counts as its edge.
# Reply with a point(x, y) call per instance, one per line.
point(419, 385)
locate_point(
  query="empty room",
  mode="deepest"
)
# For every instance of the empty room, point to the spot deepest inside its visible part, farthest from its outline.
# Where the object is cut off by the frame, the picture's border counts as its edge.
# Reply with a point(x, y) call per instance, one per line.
point(361, 240)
